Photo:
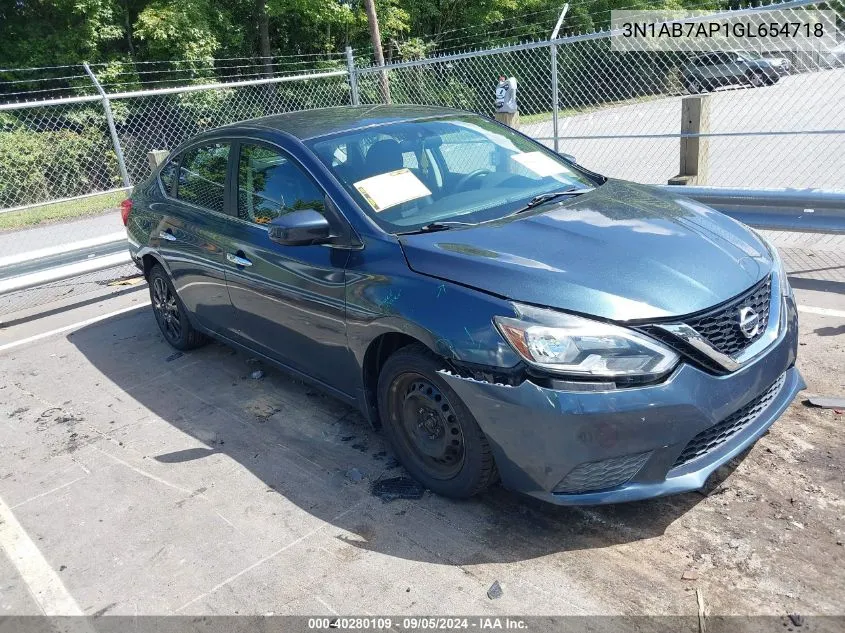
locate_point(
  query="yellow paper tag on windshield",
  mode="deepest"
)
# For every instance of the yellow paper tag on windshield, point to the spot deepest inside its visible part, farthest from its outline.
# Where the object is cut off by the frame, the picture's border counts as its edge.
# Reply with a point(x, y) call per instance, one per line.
point(395, 187)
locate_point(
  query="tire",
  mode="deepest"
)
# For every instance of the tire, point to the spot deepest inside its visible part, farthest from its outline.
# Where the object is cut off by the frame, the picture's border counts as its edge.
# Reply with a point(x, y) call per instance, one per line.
point(431, 430)
point(694, 86)
point(757, 80)
point(170, 313)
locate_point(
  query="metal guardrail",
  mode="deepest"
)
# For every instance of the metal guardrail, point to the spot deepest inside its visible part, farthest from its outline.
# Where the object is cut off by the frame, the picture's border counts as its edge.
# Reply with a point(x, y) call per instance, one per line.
point(794, 210)
point(779, 209)
point(45, 266)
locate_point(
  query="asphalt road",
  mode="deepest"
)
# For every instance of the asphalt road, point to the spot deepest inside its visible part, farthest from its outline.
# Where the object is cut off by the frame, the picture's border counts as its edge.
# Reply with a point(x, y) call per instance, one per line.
point(59, 234)
point(796, 104)
point(136, 480)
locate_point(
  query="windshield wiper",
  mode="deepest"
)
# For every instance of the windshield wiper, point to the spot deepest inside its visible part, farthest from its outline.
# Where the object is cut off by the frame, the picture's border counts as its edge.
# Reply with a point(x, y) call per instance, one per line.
point(431, 227)
point(543, 198)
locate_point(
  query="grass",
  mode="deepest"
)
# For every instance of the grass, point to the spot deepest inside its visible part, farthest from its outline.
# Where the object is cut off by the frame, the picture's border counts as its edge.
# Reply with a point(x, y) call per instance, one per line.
point(59, 211)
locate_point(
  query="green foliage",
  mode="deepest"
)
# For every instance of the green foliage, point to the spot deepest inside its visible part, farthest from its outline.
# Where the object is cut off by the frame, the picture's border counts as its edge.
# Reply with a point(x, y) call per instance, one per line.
point(184, 28)
point(71, 154)
point(47, 32)
point(57, 163)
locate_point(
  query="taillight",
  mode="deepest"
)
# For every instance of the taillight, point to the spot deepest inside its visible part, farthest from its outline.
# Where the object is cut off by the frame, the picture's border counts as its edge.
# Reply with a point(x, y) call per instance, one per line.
point(125, 209)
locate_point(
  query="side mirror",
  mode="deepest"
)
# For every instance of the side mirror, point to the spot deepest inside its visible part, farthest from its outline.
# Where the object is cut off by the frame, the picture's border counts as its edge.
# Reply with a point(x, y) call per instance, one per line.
point(299, 228)
point(569, 157)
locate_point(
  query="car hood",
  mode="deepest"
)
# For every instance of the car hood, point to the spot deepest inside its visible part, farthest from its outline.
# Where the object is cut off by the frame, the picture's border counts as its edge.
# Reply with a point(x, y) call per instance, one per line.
point(622, 252)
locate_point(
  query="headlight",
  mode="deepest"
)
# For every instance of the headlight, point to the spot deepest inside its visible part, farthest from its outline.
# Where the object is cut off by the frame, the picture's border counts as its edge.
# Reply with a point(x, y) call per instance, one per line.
point(777, 266)
point(566, 344)
point(780, 272)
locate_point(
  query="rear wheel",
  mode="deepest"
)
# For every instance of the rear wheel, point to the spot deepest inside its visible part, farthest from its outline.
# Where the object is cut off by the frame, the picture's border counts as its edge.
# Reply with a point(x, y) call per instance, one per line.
point(170, 313)
point(433, 433)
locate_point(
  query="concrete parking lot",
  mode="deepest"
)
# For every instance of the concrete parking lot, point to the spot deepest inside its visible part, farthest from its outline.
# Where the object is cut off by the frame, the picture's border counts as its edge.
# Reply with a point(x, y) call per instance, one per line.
point(138, 480)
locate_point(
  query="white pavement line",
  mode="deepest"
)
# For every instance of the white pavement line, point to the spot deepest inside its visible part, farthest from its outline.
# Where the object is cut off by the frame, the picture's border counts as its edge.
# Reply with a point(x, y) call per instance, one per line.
point(326, 604)
point(144, 473)
point(822, 311)
point(43, 582)
point(49, 492)
point(40, 253)
point(59, 273)
point(68, 328)
point(268, 557)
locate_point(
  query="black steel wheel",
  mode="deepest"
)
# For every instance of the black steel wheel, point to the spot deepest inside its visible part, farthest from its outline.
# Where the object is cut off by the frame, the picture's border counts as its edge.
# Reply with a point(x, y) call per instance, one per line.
point(170, 313)
point(429, 426)
point(433, 433)
point(756, 79)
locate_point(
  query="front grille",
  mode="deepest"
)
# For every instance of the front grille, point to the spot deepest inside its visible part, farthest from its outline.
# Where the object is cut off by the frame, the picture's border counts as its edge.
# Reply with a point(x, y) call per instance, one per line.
point(723, 431)
point(721, 326)
point(603, 474)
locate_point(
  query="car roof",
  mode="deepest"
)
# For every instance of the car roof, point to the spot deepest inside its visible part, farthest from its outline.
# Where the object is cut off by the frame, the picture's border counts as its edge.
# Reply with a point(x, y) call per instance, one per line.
point(309, 124)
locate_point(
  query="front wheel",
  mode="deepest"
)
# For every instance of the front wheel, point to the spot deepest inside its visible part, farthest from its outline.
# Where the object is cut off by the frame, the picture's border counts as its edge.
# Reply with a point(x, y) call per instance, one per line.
point(170, 313)
point(756, 80)
point(694, 86)
point(433, 433)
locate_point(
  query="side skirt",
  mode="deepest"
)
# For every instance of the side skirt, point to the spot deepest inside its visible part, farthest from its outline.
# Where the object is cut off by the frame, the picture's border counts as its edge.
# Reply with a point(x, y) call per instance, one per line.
point(295, 373)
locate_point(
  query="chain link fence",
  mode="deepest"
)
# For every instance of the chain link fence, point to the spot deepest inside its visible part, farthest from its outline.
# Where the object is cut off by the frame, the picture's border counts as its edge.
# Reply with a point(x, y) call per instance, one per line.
point(618, 112)
point(64, 148)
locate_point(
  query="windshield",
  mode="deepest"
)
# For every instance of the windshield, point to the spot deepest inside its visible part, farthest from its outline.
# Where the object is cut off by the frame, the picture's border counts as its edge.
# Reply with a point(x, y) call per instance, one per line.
point(464, 168)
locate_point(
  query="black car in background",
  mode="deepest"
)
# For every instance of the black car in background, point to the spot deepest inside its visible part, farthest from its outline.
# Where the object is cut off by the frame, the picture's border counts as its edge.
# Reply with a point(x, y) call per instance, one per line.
point(713, 70)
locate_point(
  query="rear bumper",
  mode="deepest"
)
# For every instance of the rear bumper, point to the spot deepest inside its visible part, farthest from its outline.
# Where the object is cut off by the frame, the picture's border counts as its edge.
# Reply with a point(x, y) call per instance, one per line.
point(540, 436)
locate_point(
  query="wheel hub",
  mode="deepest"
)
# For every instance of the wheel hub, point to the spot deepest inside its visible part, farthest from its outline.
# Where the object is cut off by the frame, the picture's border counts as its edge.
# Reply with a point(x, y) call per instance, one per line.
point(167, 312)
point(431, 427)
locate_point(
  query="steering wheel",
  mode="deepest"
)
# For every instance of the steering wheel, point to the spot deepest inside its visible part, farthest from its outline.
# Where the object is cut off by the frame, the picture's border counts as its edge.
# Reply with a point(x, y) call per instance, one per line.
point(478, 173)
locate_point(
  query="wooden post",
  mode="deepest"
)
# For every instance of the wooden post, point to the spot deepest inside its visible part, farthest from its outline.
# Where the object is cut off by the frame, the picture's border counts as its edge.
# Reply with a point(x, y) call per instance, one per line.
point(695, 150)
point(156, 157)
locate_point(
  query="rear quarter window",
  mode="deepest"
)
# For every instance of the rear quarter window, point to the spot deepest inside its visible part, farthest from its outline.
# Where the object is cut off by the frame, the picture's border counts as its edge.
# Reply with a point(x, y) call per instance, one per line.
point(167, 175)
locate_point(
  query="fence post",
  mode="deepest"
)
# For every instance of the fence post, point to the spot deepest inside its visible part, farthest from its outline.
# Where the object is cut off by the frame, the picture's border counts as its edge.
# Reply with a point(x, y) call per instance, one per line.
point(553, 51)
point(121, 162)
point(353, 76)
point(694, 159)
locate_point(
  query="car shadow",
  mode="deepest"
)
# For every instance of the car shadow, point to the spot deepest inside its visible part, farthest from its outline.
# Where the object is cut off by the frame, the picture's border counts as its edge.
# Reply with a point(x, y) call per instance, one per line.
point(275, 426)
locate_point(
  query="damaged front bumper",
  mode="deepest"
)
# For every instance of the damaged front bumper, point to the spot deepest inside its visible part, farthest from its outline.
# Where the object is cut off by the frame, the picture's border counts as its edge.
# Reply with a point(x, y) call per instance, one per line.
point(585, 447)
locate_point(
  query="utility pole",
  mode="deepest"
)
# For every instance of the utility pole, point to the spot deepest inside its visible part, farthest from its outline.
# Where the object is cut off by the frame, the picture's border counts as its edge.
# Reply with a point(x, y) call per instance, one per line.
point(375, 36)
point(264, 36)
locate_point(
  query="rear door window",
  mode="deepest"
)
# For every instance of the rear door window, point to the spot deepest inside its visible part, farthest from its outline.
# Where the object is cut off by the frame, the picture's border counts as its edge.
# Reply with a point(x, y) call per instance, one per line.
point(202, 176)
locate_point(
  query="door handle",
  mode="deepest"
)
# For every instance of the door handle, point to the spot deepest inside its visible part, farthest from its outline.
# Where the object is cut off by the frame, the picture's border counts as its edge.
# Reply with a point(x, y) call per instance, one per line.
point(167, 235)
point(238, 260)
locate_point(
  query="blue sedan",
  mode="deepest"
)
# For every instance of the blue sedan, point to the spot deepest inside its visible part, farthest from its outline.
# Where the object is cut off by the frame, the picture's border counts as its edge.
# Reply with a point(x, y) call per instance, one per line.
point(499, 311)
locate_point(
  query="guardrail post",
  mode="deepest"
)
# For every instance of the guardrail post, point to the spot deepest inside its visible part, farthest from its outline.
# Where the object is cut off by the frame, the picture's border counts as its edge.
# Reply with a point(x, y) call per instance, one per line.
point(353, 76)
point(156, 157)
point(695, 150)
point(121, 161)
